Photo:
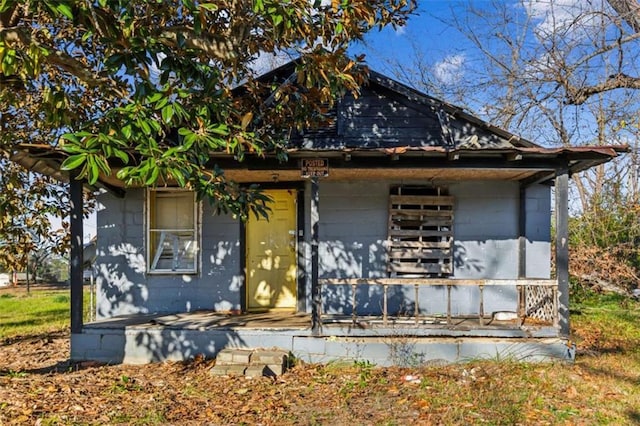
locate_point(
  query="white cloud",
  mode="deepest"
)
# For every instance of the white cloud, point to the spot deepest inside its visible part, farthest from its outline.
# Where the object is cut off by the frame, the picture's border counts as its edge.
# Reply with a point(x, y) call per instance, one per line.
point(449, 70)
point(569, 17)
point(266, 62)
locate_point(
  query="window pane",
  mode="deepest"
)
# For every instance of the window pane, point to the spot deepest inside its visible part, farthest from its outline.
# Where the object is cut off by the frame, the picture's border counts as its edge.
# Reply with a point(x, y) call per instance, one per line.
point(172, 232)
point(173, 250)
point(173, 210)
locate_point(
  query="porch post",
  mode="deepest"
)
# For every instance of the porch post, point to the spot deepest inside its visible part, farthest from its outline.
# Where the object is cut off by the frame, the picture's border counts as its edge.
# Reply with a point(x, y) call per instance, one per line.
point(76, 263)
point(562, 247)
point(316, 302)
point(522, 250)
point(522, 232)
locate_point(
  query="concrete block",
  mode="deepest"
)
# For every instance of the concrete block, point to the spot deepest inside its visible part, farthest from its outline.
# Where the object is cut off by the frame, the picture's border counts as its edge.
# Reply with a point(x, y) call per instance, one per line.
point(240, 356)
point(269, 357)
point(272, 370)
point(82, 344)
point(309, 344)
point(257, 370)
point(228, 370)
point(267, 339)
point(113, 342)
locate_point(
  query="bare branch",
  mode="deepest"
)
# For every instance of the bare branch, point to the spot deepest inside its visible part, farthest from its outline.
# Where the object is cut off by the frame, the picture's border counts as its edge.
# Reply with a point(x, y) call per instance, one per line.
point(579, 95)
point(629, 11)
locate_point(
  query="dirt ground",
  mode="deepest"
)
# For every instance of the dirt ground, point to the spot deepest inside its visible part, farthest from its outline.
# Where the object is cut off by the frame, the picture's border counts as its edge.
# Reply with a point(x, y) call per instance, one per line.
point(39, 386)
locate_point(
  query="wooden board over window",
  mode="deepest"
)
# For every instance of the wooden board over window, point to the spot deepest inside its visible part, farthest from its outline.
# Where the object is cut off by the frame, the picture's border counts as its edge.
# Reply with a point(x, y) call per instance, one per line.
point(420, 231)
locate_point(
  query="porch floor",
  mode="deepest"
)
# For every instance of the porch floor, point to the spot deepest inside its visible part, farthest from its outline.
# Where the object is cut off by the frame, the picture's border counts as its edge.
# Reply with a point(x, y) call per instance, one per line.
point(204, 320)
point(142, 338)
point(332, 325)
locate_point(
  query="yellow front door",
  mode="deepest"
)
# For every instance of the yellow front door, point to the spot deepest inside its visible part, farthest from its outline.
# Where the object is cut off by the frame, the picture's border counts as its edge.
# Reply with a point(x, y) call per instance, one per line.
point(271, 255)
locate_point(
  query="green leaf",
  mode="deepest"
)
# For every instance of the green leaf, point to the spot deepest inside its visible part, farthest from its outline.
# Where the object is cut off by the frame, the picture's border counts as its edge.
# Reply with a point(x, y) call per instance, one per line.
point(93, 171)
point(161, 103)
point(121, 155)
point(155, 97)
point(209, 6)
point(167, 113)
point(178, 176)
point(153, 177)
point(220, 129)
point(65, 10)
point(124, 172)
point(71, 138)
point(5, 5)
point(126, 131)
point(73, 161)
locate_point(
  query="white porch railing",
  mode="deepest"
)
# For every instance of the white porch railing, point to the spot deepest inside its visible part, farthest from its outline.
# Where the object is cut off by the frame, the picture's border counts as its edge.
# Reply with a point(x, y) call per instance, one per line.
point(537, 298)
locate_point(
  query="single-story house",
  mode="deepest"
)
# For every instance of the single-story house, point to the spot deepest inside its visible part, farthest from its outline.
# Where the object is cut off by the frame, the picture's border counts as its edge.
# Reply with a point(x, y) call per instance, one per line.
point(407, 230)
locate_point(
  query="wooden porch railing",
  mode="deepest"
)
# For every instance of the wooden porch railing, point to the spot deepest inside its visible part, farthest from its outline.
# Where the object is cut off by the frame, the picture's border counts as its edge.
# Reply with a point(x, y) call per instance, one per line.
point(531, 294)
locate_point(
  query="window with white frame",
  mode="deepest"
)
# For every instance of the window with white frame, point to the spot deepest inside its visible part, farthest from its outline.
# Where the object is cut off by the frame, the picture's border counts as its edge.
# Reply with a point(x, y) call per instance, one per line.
point(172, 237)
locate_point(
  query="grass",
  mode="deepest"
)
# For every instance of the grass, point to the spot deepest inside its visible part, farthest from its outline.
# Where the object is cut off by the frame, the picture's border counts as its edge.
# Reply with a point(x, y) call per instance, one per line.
point(601, 387)
point(37, 312)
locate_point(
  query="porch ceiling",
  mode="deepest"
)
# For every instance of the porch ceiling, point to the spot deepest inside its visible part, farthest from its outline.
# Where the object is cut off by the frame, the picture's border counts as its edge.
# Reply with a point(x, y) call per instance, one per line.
point(340, 174)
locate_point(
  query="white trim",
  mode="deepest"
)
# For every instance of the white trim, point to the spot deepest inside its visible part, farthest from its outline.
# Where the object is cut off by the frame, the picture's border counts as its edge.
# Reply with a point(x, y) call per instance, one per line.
point(196, 230)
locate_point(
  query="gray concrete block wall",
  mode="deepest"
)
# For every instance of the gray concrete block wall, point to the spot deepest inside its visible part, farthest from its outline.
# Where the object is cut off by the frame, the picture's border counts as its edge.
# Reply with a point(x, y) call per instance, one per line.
point(121, 265)
point(354, 215)
point(125, 287)
point(485, 229)
point(538, 231)
point(353, 231)
point(222, 277)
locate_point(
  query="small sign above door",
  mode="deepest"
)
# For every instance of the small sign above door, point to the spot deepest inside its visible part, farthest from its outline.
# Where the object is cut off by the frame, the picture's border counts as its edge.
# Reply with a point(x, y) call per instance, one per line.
point(314, 167)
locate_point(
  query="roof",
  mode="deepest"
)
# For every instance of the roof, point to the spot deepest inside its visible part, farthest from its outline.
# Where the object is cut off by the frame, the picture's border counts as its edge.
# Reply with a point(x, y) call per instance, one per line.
point(390, 130)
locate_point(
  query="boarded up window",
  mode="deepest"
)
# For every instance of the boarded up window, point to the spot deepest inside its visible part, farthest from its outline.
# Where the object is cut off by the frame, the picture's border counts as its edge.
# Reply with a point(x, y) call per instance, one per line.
point(420, 231)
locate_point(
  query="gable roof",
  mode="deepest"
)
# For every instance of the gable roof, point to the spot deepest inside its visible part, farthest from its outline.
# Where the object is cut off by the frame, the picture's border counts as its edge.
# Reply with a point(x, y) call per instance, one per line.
point(389, 126)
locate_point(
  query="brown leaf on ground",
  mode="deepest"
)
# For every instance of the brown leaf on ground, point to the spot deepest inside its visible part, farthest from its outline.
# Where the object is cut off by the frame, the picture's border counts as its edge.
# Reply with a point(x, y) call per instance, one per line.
point(38, 385)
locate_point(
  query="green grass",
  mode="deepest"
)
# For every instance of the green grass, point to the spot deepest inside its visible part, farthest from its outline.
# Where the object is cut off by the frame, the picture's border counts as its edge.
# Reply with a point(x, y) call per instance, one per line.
point(40, 311)
point(606, 322)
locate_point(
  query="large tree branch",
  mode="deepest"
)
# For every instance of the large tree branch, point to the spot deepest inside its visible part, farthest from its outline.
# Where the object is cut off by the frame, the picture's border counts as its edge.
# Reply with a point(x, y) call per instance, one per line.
point(18, 37)
point(579, 95)
point(629, 11)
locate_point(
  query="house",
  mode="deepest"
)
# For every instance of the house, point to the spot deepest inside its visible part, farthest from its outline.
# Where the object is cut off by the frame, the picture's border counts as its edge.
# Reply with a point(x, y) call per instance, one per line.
point(406, 231)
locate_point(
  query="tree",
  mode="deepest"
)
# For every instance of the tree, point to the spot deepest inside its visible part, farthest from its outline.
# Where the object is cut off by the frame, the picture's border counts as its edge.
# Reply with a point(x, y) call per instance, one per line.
point(561, 73)
point(148, 89)
point(27, 203)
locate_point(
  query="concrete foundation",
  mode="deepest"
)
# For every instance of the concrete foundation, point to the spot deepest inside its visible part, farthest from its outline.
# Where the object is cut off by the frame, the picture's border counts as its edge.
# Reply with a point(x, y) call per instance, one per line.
point(144, 343)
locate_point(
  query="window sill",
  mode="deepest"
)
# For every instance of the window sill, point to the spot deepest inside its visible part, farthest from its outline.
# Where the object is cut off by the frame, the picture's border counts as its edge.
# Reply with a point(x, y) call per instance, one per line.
point(172, 272)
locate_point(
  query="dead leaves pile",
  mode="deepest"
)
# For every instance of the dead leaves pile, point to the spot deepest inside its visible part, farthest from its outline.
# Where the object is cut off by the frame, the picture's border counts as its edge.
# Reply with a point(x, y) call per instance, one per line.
point(39, 386)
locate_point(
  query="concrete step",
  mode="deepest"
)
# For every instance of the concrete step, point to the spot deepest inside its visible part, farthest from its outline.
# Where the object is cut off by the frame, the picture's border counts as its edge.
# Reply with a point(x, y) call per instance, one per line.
point(251, 362)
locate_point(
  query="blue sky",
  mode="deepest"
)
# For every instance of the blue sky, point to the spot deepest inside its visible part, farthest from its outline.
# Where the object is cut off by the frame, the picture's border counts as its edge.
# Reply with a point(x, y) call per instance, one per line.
point(426, 29)
point(451, 59)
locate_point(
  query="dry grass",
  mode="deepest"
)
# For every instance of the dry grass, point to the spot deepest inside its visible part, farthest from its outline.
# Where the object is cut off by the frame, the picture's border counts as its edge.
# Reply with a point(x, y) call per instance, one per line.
point(602, 387)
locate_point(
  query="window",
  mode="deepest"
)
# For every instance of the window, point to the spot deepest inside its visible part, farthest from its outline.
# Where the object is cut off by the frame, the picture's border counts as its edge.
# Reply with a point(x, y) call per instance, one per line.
point(172, 239)
point(420, 231)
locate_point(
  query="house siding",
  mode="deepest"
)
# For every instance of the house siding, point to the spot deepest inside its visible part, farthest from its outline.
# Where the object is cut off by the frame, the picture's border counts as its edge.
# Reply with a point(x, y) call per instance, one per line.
point(353, 229)
point(380, 117)
point(352, 232)
point(124, 286)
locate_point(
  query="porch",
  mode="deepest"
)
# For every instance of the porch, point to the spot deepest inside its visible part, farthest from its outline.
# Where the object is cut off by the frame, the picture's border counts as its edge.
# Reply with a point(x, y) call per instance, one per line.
point(412, 338)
